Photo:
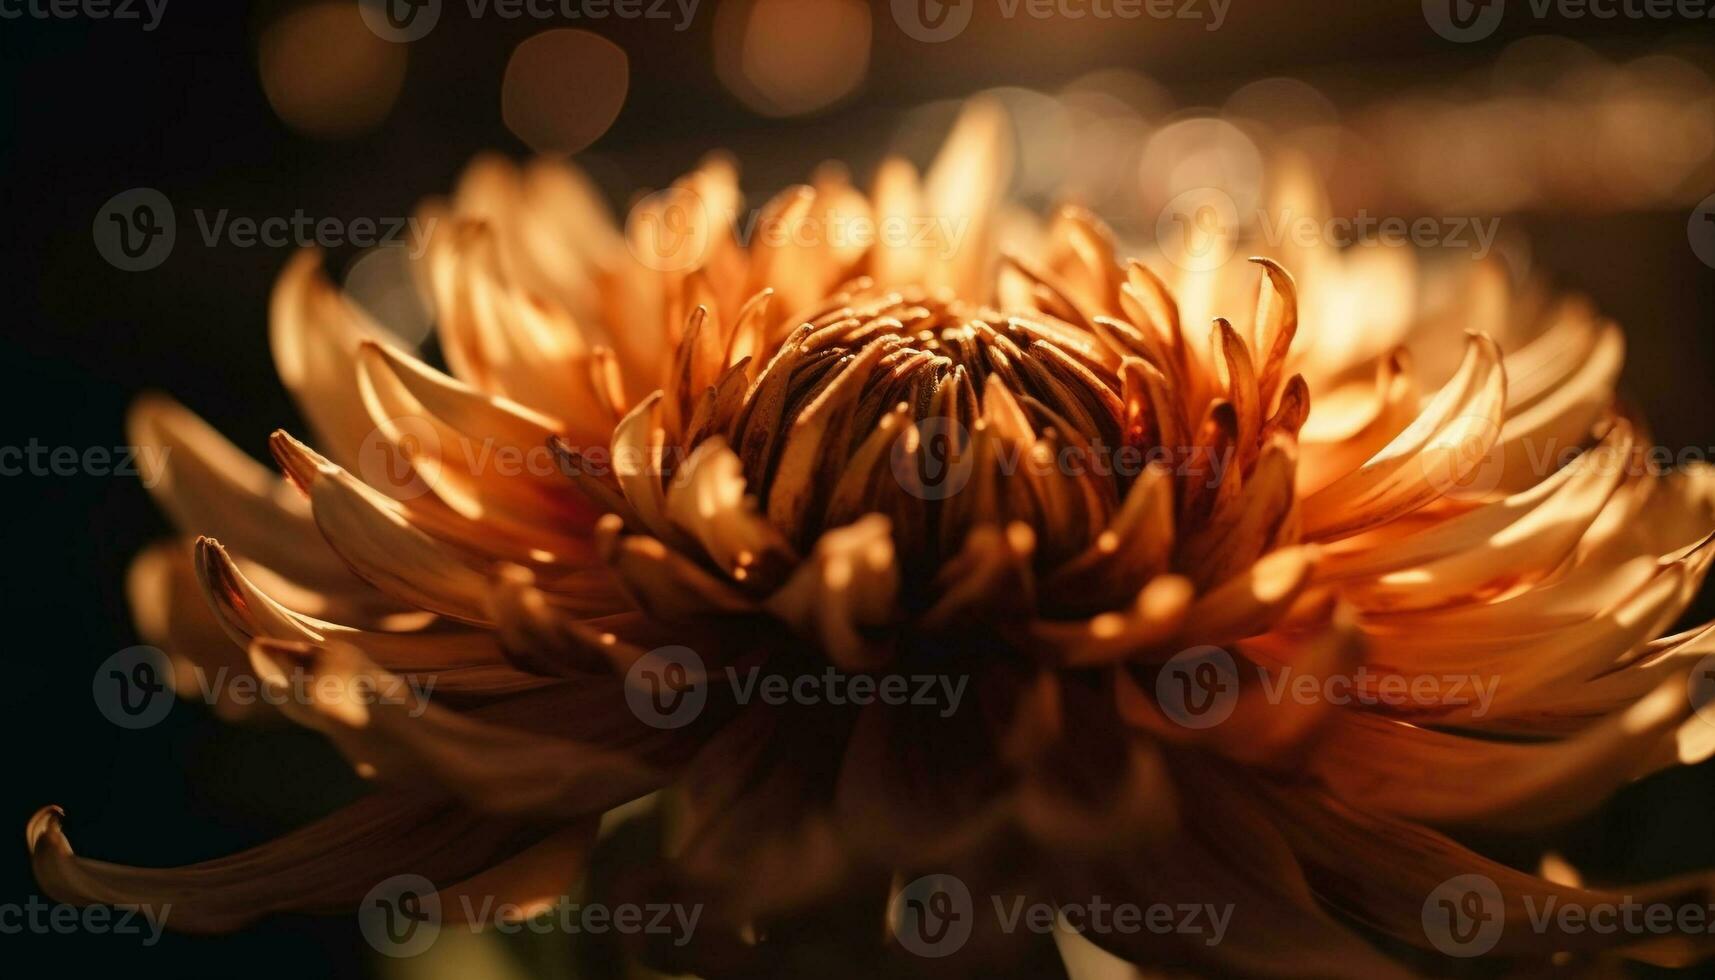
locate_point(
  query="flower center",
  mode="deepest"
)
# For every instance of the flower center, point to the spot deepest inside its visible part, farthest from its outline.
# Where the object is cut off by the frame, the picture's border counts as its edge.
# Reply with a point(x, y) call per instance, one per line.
point(943, 416)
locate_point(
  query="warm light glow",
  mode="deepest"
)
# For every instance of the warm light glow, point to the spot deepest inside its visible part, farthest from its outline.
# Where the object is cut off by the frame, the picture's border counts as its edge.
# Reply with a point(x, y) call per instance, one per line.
point(326, 74)
point(791, 57)
point(563, 90)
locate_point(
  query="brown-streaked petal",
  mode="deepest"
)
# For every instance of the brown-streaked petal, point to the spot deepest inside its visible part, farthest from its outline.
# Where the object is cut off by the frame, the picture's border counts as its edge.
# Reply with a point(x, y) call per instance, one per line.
point(1445, 443)
point(463, 662)
point(1512, 542)
point(1080, 790)
point(491, 462)
point(845, 594)
point(526, 885)
point(327, 866)
point(1231, 858)
point(964, 185)
point(989, 581)
point(756, 821)
point(1237, 373)
point(379, 543)
point(315, 333)
point(918, 786)
point(639, 459)
point(1134, 548)
point(208, 486)
point(1534, 668)
point(1247, 604)
point(1535, 433)
point(391, 732)
point(1267, 727)
point(1154, 618)
point(816, 446)
point(663, 582)
point(1274, 327)
point(517, 344)
point(1382, 871)
point(544, 635)
point(1349, 424)
point(169, 611)
point(1150, 305)
point(1447, 779)
point(1243, 527)
point(708, 500)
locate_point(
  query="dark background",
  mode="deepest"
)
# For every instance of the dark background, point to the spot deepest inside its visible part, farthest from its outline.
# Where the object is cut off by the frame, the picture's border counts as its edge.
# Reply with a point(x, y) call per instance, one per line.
point(93, 108)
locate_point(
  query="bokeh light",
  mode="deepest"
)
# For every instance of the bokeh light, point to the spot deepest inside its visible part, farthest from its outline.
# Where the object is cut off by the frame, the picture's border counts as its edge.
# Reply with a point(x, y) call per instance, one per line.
point(326, 74)
point(792, 57)
point(383, 282)
point(563, 89)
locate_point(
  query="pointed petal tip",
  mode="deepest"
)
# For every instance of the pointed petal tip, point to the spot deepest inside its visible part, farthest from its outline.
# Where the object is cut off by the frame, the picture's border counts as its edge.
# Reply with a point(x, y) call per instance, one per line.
point(45, 822)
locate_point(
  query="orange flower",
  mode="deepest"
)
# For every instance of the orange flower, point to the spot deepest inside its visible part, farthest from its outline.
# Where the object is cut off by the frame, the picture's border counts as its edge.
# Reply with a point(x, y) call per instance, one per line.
point(1243, 616)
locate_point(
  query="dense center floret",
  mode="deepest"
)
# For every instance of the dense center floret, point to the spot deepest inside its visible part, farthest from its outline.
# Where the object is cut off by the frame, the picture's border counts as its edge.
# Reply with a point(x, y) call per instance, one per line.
point(943, 416)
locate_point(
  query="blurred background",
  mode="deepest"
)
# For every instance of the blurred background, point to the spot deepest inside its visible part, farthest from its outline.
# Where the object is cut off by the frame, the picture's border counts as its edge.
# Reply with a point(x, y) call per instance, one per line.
point(1590, 140)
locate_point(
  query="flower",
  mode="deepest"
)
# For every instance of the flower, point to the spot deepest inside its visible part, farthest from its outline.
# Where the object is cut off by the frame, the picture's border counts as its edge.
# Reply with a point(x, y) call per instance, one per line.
point(1249, 617)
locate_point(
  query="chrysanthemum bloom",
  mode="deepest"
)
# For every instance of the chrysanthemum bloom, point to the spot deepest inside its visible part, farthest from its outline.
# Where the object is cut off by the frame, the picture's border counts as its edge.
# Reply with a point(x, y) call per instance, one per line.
point(1106, 524)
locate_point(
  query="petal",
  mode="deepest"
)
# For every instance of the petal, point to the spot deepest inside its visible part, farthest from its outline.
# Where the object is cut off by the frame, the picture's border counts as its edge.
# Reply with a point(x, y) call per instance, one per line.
point(327, 866)
point(210, 487)
point(380, 544)
point(315, 332)
point(1445, 443)
point(392, 733)
point(845, 594)
point(1447, 779)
